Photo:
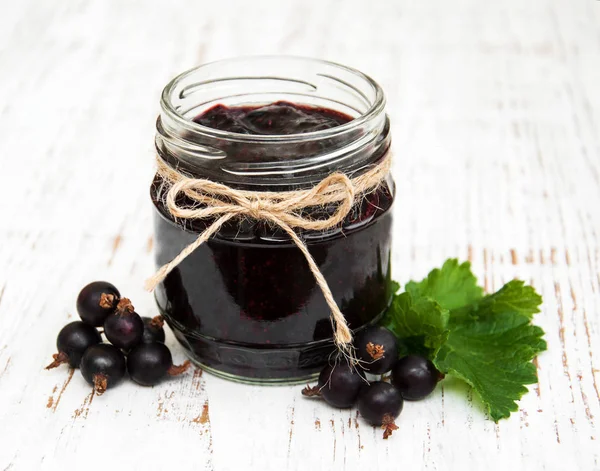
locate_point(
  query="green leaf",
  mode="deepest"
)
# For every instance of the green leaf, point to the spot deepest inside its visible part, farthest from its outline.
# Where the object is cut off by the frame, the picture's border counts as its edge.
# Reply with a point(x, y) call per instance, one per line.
point(452, 286)
point(493, 352)
point(421, 325)
point(488, 342)
point(514, 297)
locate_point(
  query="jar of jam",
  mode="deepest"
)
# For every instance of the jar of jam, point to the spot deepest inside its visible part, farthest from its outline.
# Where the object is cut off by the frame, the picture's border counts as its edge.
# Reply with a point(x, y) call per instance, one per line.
point(245, 305)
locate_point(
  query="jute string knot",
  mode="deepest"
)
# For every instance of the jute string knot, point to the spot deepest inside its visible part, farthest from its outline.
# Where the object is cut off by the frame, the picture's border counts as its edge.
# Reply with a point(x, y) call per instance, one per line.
point(283, 209)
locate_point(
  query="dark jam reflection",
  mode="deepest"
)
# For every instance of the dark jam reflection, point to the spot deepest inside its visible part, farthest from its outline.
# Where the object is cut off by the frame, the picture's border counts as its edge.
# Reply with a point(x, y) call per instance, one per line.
point(279, 118)
point(245, 303)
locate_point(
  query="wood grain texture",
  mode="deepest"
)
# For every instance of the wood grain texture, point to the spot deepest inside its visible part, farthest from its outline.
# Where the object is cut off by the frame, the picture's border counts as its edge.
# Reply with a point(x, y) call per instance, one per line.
point(495, 109)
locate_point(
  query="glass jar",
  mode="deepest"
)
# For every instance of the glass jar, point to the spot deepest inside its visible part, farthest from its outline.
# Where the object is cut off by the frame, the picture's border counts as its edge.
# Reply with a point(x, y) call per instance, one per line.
point(245, 305)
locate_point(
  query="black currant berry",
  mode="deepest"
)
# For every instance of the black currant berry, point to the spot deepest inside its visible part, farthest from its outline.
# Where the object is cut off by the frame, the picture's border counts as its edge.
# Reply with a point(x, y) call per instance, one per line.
point(96, 301)
point(415, 377)
point(124, 328)
point(153, 329)
point(339, 385)
point(150, 363)
point(72, 342)
point(377, 348)
point(103, 366)
point(380, 403)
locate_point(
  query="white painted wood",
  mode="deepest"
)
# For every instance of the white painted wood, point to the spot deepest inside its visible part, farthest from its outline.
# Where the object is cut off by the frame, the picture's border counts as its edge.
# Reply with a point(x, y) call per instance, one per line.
point(495, 108)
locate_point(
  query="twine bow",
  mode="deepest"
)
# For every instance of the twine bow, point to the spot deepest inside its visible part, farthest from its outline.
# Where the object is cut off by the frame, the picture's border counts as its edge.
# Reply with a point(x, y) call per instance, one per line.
point(282, 209)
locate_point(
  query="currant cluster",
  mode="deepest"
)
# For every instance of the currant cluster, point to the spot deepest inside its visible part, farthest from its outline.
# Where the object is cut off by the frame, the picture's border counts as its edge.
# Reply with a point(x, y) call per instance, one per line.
point(136, 344)
point(379, 403)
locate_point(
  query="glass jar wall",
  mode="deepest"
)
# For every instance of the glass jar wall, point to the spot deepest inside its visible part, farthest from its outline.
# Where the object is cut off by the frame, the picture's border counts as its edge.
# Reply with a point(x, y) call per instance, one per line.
point(245, 305)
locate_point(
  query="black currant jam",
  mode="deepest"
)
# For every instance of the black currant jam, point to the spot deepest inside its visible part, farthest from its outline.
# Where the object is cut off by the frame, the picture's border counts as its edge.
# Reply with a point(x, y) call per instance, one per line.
point(245, 304)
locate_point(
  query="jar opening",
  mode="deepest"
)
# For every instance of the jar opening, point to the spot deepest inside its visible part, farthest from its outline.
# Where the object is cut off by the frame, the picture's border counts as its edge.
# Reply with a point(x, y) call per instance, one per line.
point(272, 159)
point(359, 95)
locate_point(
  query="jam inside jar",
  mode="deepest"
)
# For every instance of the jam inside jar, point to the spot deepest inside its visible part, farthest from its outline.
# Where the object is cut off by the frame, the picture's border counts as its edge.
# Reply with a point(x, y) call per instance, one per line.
point(245, 305)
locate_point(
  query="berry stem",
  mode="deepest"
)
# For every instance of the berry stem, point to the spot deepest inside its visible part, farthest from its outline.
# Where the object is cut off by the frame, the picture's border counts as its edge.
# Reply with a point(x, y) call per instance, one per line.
point(388, 426)
point(100, 384)
point(175, 370)
point(375, 351)
point(124, 306)
point(311, 391)
point(107, 301)
point(59, 359)
point(158, 322)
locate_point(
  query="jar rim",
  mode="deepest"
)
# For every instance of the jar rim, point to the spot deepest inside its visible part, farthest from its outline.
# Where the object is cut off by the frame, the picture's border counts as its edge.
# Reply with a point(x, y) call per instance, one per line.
point(376, 106)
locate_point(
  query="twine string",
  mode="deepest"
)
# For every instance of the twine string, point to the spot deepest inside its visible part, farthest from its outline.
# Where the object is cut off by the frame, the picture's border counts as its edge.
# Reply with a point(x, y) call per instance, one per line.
point(222, 203)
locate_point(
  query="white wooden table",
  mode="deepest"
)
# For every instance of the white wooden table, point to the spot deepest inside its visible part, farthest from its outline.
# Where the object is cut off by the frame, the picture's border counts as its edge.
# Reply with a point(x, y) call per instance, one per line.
point(496, 123)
